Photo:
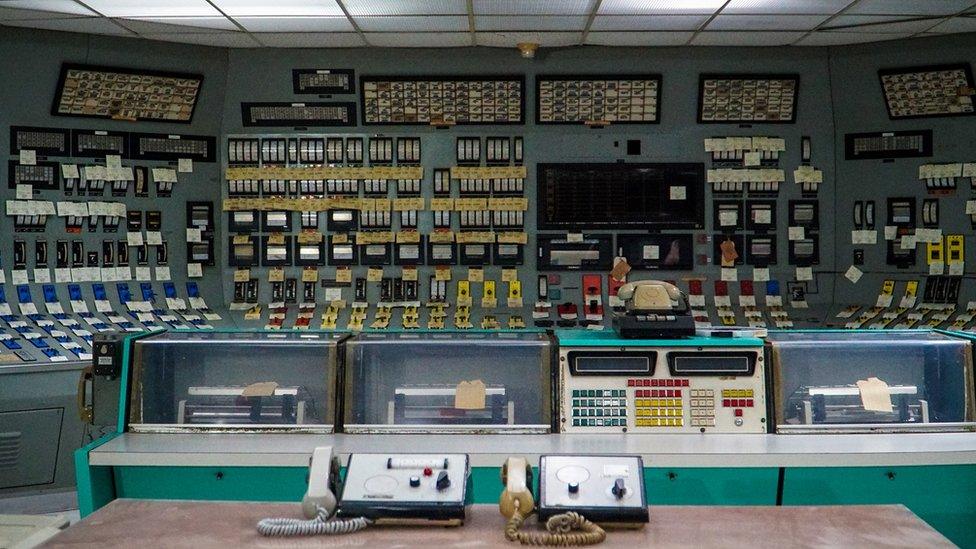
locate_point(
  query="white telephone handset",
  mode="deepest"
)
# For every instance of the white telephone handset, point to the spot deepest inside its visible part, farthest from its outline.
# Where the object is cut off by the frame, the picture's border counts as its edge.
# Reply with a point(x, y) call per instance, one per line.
point(322, 481)
point(318, 504)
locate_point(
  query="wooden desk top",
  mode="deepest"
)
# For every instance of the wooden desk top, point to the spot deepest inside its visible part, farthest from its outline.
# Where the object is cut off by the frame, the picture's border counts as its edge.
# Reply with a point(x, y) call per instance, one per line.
point(197, 524)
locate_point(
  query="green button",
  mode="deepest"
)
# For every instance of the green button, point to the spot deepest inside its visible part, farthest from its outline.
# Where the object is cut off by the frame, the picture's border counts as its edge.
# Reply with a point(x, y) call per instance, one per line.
point(575, 423)
point(592, 423)
point(576, 392)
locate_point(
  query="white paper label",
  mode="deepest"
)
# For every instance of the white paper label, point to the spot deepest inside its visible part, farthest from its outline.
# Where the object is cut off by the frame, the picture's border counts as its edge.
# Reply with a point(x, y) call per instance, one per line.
point(184, 165)
point(760, 274)
point(194, 270)
point(730, 275)
point(796, 233)
point(134, 238)
point(853, 274)
point(652, 252)
point(194, 235)
point(42, 275)
point(25, 192)
point(804, 273)
point(679, 192)
point(28, 157)
point(154, 238)
point(162, 273)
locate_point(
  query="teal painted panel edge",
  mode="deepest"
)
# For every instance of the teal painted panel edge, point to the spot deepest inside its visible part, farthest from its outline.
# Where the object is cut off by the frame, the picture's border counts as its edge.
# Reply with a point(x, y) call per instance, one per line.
point(609, 338)
point(124, 378)
point(711, 485)
point(941, 495)
point(212, 483)
point(94, 484)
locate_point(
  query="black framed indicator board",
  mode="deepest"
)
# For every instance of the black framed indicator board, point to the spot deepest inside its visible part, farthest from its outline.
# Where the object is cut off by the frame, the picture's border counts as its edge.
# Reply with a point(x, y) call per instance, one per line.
point(881, 145)
point(299, 114)
point(747, 98)
point(126, 94)
point(621, 196)
point(324, 81)
point(920, 92)
point(396, 100)
point(616, 99)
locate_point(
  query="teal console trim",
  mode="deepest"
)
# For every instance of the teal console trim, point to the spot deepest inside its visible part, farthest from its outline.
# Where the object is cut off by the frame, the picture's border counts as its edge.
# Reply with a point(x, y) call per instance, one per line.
point(95, 486)
point(609, 338)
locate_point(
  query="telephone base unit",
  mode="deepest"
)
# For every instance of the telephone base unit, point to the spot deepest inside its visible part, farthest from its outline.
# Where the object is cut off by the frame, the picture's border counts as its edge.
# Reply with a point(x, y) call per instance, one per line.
point(607, 490)
point(422, 489)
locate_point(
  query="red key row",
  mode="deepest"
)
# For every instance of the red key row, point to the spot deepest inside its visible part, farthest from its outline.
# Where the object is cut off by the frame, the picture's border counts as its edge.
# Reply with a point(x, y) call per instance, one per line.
point(737, 402)
point(672, 393)
point(657, 382)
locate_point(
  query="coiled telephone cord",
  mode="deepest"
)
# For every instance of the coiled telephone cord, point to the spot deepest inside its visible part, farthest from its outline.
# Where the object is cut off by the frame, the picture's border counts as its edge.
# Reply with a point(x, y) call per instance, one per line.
point(563, 530)
point(320, 525)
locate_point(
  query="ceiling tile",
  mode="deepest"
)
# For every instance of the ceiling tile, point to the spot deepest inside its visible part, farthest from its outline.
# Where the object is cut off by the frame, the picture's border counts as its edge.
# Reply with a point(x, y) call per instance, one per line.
point(406, 7)
point(168, 25)
point(746, 38)
point(218, 39)
point(879, 24)
point(828, 7)
point(529, 22)
point(638, 38)
point(765, 22)
point(956, 24)
point(533, 7)
point(11, 14)
point(652, 7)
point(311, 40)
point(278, 7)
point(823, 38)
point(56, 6)
point(419, 39)
point(295, 24)
point(909, 7)
point(544, 39)
point(91, 25)
point(152, 8)
point(647, 22)
point(412, 23)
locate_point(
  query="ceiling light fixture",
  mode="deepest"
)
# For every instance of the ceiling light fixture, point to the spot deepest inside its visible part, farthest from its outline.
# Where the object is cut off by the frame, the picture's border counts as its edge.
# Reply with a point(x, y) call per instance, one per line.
point(527, 49)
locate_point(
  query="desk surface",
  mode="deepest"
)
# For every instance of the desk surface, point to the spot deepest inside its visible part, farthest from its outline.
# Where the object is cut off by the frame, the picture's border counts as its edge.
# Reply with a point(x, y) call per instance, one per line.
point(658, 450)
point(126, 523)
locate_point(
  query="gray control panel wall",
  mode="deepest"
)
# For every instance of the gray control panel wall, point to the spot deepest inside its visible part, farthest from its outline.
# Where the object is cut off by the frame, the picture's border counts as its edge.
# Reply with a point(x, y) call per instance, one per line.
point(676, 139)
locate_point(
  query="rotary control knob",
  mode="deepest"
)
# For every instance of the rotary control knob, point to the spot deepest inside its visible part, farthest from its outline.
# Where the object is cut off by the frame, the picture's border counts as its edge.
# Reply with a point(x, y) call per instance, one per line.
point(573, 487)
point(443, 481)
point(414, 482)
point(618, 490)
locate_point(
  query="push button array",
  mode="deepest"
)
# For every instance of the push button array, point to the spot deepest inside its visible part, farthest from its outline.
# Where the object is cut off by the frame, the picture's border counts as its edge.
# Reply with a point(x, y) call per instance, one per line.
point(599, 408)
point(702, 408)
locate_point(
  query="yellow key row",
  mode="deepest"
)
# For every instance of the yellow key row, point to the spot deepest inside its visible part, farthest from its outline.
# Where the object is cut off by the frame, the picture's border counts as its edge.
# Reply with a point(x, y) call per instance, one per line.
point(654, 422)
point(669, 402)
point(658, 412)
point(737, 393)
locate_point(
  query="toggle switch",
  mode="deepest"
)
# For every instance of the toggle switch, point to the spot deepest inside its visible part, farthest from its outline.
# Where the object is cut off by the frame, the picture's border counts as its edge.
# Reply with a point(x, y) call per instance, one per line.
point(619, 489)
point(443, 481)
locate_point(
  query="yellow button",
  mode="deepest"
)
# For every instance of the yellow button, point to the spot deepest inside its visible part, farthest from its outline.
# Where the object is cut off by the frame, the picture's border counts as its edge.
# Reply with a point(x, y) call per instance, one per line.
point(680, 422)
point(654, 422)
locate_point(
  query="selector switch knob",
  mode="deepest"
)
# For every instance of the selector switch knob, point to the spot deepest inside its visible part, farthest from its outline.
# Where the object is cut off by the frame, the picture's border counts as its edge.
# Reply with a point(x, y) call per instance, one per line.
point(573, 487)
point(443, 481)
point(414, 482)
point(618, 489)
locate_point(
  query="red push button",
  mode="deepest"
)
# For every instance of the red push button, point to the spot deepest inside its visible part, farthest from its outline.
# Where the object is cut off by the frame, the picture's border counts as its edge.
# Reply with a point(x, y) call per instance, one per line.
point(670, 383)
point(631, 382)
point(738, 412)
point(677, 393)
point(428, 471)
point(726, 402)
point(684, 382)
point(749, 403)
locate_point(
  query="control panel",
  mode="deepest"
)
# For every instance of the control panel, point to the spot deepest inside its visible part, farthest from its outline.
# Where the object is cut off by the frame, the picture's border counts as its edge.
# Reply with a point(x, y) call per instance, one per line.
point(421, 488)
point(637, 389)
point(604, 489)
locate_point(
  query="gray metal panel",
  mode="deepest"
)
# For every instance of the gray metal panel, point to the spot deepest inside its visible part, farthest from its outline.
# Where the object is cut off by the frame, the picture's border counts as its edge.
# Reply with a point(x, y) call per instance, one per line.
point(29, 446)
